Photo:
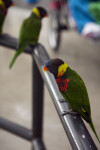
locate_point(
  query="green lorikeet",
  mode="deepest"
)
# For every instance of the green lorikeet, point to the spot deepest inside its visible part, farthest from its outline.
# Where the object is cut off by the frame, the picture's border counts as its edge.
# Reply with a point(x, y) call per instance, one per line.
point(72, 89)
point(29, 31)
point(4, 5)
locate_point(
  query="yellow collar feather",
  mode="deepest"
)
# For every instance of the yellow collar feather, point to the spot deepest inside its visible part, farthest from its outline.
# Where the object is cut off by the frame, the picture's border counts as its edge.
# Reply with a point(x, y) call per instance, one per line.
point(2, 3)
point(62, 69)
point(36, 12)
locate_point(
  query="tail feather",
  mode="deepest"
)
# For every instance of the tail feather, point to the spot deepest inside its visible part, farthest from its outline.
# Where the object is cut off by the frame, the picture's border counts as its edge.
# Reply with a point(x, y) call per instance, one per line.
point(93, 128)
point(13, 60)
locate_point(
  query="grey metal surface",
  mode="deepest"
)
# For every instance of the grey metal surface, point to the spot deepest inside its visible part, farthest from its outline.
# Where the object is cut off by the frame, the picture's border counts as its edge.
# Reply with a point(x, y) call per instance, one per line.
point(16, 129)
point(38, 144)
point(37, 102)
point(75, 129)
point(8, 41)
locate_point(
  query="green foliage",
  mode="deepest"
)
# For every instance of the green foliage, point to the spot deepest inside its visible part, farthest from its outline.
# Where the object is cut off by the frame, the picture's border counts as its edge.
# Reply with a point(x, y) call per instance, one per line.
point(94, 8)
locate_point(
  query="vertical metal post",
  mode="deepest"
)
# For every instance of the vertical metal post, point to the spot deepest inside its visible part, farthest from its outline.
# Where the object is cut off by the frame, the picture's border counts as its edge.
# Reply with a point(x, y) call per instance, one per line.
point(37, 107)
point(37, 99)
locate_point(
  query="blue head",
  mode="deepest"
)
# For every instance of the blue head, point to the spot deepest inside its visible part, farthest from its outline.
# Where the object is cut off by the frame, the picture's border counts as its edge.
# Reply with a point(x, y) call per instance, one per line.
point(8, 3)
point(53, 66)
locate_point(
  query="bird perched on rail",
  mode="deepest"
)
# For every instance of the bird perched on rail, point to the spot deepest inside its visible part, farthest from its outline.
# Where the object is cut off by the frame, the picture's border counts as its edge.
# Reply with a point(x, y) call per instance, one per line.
point(4, 5)
point(72, 89)
point(29, 31)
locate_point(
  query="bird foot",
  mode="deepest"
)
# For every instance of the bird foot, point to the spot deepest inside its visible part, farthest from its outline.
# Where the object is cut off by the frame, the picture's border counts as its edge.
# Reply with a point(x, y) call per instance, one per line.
point(32, 45)
point(69, 112)
point(62, 101)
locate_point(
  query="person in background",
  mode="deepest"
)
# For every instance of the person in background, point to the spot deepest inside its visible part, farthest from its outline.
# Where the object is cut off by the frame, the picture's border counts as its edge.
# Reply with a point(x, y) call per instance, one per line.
point(86, 14)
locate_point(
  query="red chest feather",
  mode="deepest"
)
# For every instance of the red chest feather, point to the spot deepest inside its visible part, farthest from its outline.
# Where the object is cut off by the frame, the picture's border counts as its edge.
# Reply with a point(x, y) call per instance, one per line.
point(62, 84)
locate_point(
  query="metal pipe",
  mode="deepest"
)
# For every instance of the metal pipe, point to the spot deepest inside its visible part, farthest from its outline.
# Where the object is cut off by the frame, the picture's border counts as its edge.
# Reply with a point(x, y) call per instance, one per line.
point(10, 42)
point(38, 144)
point(75, 129)
point(37, 101)
point(16, 129)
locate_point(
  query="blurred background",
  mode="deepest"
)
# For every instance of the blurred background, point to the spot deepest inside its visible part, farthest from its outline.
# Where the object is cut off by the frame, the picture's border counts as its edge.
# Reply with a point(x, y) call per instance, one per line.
point(15, 85)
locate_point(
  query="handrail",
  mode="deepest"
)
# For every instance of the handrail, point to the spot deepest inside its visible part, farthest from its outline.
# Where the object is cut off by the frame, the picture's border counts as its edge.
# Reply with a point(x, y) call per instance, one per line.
point(75, 128)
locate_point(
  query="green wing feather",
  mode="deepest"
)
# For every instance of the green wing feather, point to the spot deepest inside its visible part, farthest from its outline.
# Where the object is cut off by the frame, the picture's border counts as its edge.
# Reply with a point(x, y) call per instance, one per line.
point(77, 97)
point(29, 34)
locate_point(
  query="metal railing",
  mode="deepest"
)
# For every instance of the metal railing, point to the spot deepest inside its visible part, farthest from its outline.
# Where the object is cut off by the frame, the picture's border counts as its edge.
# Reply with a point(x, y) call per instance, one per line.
point(75, 129)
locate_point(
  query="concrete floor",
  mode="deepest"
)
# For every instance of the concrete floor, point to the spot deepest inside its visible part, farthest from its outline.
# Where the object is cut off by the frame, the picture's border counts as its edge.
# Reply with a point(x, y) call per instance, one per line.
point(15, 84)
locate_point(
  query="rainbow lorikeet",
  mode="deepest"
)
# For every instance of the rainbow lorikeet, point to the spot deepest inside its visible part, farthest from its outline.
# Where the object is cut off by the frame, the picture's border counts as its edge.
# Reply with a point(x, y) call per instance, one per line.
point(72, 89)
point(29, 31)
point(4, 5)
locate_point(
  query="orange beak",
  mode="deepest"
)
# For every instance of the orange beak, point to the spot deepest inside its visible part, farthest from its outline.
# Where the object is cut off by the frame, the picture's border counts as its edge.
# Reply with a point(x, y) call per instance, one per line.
point(12, 4)
point(45, 69)
point(46, 15)
point(60, 74)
